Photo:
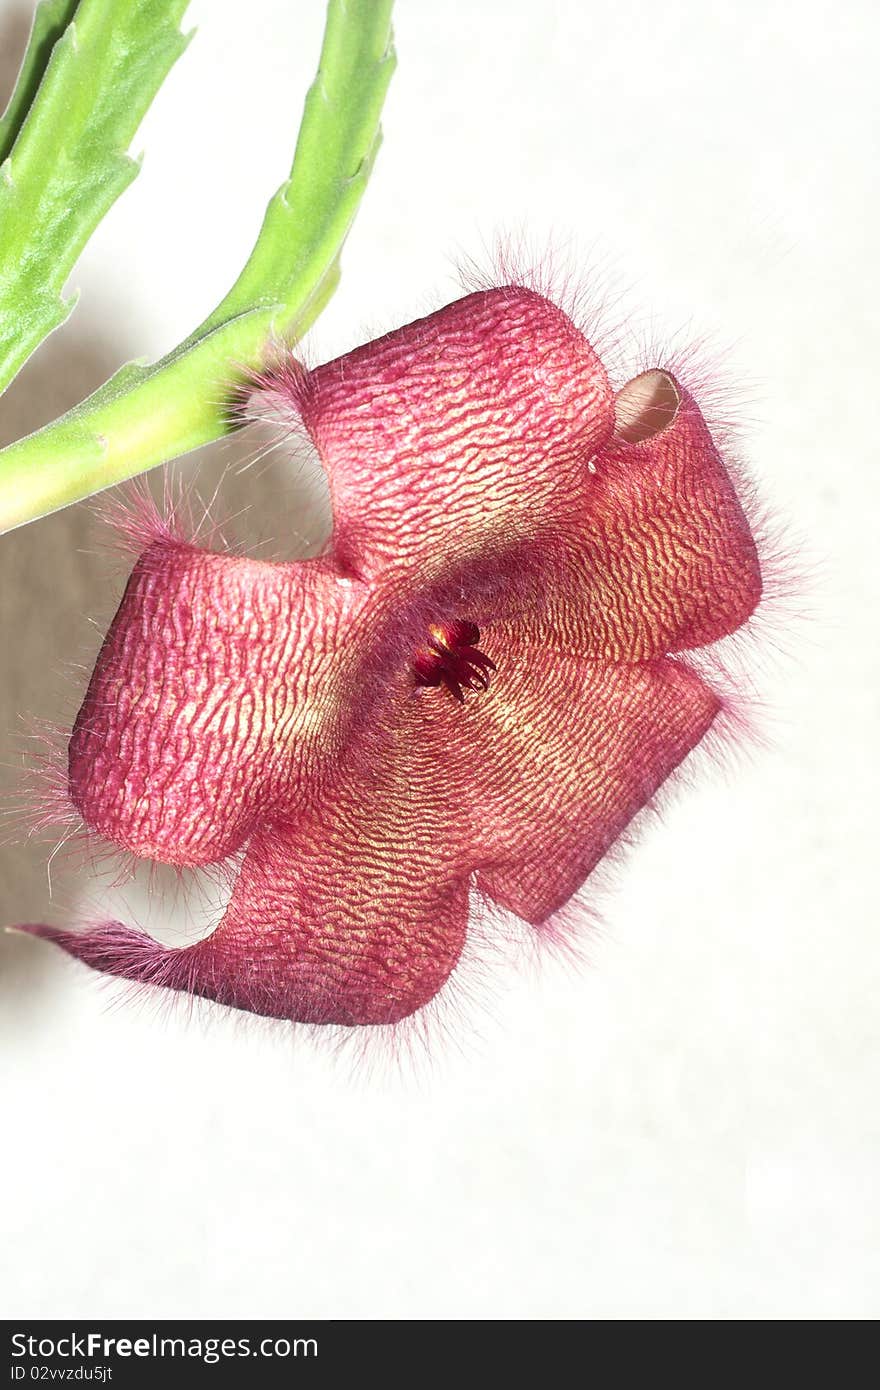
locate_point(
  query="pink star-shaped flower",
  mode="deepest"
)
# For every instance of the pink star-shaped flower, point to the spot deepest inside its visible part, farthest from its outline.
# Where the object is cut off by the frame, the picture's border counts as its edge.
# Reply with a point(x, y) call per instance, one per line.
point(476, 684)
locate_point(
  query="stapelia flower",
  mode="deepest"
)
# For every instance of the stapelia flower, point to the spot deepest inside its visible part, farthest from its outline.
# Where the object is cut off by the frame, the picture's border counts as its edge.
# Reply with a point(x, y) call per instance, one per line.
point(478, 684)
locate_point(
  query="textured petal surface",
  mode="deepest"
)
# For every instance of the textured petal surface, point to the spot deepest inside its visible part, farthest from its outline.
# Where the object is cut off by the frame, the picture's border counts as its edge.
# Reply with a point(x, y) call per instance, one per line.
point(665, 560)
point(555, 759)
point(475, 684)
point(456, 434)
point(354, 915)
point(356, 912)
point(215, 673)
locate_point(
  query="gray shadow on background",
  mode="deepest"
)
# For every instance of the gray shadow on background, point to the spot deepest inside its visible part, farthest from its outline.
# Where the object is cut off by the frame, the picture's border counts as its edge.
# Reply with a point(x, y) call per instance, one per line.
point(51, 576)
point(44, 581)
point(60, 583)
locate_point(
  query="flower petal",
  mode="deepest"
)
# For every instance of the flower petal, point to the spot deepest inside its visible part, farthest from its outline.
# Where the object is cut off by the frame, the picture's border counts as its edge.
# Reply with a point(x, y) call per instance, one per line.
point(218, 676)
point(354, 913)
point(357, 912)
point(467, 429)
point(298, 945)
point(548, 766)
point(338, 921)
point(666, 560)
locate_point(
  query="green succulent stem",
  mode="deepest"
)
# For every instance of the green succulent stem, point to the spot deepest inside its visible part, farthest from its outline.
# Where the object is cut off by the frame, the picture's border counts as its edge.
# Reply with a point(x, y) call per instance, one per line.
point(51, 18)
point(76, 107)
point(147, 414)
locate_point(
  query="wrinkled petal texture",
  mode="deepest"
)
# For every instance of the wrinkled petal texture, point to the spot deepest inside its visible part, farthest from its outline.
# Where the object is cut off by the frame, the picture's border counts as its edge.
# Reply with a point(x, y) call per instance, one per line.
point(665, 560)
point(216, 683)
point(457, 435)
point(481, 470)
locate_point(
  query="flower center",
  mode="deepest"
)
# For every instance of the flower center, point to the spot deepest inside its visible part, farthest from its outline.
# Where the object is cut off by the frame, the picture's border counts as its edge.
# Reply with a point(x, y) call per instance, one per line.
point(450, 657)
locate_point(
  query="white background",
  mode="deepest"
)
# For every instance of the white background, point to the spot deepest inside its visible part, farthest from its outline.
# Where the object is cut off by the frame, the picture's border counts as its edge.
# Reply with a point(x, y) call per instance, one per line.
point(687, 1126)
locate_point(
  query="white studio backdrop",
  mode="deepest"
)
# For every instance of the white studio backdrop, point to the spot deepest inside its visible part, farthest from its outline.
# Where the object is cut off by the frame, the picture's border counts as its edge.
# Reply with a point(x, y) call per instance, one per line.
point(686, 1126)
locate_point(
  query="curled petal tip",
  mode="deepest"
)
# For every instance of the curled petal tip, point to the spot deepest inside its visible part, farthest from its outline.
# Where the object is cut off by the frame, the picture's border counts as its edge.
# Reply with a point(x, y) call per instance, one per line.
point(31, 929)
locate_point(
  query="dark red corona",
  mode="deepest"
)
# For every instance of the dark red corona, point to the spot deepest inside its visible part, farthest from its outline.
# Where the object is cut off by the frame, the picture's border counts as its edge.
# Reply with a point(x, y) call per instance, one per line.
point(451, 657)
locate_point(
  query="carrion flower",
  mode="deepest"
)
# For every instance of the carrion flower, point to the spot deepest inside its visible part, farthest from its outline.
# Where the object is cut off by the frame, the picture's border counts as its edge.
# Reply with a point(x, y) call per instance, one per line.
point(479, 684)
